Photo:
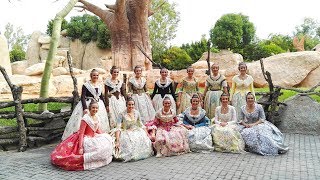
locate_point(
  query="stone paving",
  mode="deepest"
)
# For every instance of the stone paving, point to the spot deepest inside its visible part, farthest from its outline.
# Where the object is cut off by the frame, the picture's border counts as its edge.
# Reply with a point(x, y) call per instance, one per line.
point(301, 162)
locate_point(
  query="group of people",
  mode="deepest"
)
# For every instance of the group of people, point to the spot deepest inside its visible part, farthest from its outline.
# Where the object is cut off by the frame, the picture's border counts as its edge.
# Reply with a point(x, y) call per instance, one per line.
point(135, 125)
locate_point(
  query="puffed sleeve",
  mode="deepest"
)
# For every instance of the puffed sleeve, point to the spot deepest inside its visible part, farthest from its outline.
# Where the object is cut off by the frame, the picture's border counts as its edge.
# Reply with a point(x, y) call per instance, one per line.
point(262, 115)
point(139, 122)
point(233, 112)
point(216, 117)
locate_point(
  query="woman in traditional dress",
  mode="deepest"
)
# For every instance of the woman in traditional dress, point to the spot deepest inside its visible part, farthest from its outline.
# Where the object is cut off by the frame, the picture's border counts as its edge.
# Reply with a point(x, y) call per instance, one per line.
point(138, 91)
point(114, 95)
point(163, 87)
point(91, 90)
point(170, 136)
point(131, 139)
point(216, 84)
point(241, 84)
point(260, 136)
point(86, 149)
point(189, 86)
point(199, 134)
point(226, 135)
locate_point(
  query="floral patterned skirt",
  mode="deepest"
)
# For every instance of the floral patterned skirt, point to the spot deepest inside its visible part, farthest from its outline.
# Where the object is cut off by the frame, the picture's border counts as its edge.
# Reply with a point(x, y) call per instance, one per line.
point(184, 102)
point(143, 104)
point(264, 139)
point(134, 145)
point(211, 101)
point(173, 142)
point(97, 152)
point(227, 139)
point(200, 139)
point(116, 107)
point(238, 100)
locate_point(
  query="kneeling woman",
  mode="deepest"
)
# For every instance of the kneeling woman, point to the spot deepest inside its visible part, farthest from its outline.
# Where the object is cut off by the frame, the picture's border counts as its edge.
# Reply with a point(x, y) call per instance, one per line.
point(197, 122)
point(260, 136)
point(132, 142)
point(88, 148)
point(226, 136)
point(170, 137)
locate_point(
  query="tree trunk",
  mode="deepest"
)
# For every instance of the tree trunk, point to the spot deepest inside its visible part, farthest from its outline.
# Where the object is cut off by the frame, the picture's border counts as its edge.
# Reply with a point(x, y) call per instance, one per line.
point(53, 50)
point(127, 21)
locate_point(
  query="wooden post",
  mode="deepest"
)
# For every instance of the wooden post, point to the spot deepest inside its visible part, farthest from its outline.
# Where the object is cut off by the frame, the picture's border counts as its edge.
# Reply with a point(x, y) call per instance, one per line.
point(16, 93)
point(75, 87)
point(124, 86)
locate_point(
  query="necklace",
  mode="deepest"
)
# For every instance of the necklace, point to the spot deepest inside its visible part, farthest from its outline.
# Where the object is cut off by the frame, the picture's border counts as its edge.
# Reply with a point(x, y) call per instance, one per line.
point(166, 113)
point(224, 108)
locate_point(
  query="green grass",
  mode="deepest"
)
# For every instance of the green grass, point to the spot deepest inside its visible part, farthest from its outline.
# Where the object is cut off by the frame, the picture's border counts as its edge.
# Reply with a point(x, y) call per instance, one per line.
point(28, 108)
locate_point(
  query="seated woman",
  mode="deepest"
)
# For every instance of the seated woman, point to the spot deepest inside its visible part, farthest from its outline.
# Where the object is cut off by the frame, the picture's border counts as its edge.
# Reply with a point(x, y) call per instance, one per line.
point(260, 136)
point(226, 136)
point(197, 122)
point(131, 140)
point(170, 137)
point(91, 91)
point(88, 148)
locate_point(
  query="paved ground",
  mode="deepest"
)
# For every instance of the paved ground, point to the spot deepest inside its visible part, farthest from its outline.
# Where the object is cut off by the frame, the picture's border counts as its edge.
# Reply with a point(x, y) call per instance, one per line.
point(301, 162)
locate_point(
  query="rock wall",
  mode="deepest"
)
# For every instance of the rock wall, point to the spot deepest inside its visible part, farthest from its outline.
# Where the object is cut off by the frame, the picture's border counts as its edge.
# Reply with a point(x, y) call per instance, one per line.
point(4, 55)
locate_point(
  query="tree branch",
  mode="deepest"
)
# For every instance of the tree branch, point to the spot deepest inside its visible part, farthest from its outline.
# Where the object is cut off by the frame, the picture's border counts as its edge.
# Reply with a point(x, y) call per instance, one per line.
point(96, 10)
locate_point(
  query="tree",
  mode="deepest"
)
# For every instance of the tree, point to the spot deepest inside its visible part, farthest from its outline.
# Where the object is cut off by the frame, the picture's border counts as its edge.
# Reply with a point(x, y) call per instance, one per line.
point(232, 31)
point(127, 21)
point(310, 29)
point(196, 49)
point(15, 37)
point(17, 54)
point(176, 58)
point(64, 26)
point(44, 89)
point(162, 26)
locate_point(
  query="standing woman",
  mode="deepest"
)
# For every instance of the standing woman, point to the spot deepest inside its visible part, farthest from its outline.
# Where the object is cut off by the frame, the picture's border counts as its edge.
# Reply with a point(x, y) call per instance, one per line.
point(114, 96)
point(241, 85)
point(89, 148)
point(138, 91)
point(131, 139)
point(163, 87)
point(91, 90)
point(199, 134)
point(189, 86)
point(260, 136)
point(170, 137)
point(226, 135)
point(216, 84)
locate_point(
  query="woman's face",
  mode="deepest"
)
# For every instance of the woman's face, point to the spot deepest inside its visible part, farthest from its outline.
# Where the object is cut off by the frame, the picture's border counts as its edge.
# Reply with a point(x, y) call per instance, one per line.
point(250, 99)
point(195, 102)
point(130, 106)
point(215, 69)
point(190, 72)
point(224, 100)
point(115, 73)
point(94, 76)
point(167, 103)
point(94, 109)
point(164, 73)
point(138, 72)
point(243, 69)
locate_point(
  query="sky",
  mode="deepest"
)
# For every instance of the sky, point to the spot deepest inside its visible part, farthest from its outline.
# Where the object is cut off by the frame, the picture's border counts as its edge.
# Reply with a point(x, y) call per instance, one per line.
point(196, 17)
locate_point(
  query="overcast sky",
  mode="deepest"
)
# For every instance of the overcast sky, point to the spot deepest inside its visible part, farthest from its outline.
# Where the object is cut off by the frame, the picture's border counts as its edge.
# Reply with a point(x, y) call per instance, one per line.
point(197, 17)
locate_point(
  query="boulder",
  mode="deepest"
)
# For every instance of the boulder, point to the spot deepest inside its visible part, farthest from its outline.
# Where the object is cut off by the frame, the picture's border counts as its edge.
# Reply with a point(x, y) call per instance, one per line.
point(301, 115)
point(316, 48)
point(60, 71)
point(94, 56)
point(33, 54)
point(45, 46)
point(100, 70)
point(64, 42)
point(77, 49)
point(312, 79)
point(43, 54)
point(4, 55)
point(19, 67)
point(59, 61)
point(287, 69)
point(34, 70)
point(44, 39)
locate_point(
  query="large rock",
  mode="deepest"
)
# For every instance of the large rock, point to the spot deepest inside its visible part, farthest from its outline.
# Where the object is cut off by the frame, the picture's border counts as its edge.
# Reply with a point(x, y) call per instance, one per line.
point(34, 70)
point(43, 54)
point(312, 79)
point(4, 55)
point(301, 115)
point(19, 67)
point(33, 54)
point(77, 49)
point(287, 69)
point(44, 39)
point(60, 71)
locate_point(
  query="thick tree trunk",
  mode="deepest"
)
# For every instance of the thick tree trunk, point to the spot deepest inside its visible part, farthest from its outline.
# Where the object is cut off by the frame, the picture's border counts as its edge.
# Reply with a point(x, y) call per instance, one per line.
point(127, 21)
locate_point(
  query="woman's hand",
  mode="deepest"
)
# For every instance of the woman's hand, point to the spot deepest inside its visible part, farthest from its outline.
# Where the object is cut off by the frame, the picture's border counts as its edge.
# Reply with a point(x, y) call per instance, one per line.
point(178, 104)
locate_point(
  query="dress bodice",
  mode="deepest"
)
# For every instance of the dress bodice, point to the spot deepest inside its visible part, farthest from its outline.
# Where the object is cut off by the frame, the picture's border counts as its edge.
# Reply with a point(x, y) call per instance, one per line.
point(128, 122)
point(195, 120)
point(90, 92)
point(163, 89)
point(165, 120)
point(189, 86)
point(215, 83)
point(135, 87)
point(256, 115)
point(230, 116)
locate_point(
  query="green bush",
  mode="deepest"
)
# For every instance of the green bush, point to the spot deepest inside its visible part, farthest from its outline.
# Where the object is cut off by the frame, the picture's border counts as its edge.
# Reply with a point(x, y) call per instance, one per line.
point(17, 54)
point(176, 58)
point(64, 25)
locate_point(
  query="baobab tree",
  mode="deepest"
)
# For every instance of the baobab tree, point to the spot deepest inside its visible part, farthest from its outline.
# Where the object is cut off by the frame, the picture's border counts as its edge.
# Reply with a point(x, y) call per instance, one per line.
point(127, 21)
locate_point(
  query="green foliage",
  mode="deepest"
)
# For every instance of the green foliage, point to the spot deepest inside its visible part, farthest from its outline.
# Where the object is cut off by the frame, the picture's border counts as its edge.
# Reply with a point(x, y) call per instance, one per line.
point(196, 49)
point(310, 29)
point(283, 41)
point(232, 31)
point(176, 58)
point(64, 25)
point(256, 51)
point(17, 54)
point(162, 26)
point(86, 28)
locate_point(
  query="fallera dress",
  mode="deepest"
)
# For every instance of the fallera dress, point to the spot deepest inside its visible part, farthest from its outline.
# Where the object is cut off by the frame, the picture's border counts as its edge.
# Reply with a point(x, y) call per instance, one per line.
point(264, 138)
point(141, 99)
point(134, 142)
point(227, 138)
point(200, 139)
point(188, 88)
point(215, 86)
point(89, 92)
point(97, 148)
point(161, 91)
